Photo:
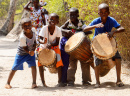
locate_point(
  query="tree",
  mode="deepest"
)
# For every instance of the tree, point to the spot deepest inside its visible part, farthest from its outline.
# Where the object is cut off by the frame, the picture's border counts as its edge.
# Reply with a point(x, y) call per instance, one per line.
point(9, 23)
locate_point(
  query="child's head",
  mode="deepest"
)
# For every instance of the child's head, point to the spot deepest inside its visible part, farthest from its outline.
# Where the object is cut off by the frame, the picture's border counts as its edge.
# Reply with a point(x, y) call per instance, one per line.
point(35, 3)
point(103, 10)
point(74, 14)
point(53, 19)
point(26, 25)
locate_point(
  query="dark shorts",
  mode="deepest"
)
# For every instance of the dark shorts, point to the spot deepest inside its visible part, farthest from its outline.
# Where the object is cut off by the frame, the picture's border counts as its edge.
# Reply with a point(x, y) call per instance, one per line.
point(98, 61)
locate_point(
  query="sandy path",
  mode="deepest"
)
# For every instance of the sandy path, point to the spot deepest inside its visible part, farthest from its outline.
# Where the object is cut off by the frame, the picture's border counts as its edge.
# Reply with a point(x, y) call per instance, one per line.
point(22, 80)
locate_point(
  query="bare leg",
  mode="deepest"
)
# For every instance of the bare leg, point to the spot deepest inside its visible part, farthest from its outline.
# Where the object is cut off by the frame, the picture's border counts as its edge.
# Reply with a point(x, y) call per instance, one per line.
point(41, 71)
point(59, 74)
point(97, 68)
point(11, 74)
point(118, 72)
point(34, 76)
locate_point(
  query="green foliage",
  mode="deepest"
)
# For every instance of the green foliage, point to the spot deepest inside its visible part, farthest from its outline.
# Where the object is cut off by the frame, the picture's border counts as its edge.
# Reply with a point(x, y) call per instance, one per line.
point(56, 6)
point(4, 7)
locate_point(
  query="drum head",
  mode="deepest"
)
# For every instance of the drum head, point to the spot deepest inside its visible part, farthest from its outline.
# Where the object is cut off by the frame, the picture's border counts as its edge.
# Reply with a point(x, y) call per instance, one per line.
point(74, 41)
point(103, 46)
point(47, 57)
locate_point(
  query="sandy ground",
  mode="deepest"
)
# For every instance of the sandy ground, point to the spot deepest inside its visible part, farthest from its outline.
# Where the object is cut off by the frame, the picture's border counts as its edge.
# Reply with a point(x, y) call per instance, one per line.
point(22, 80)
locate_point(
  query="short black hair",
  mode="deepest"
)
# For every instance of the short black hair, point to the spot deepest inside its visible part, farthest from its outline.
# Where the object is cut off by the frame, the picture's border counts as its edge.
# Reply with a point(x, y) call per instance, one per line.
point(25, 20)
point(54, 14)
point(35, 0)
point(103, 6)
point(74, 10)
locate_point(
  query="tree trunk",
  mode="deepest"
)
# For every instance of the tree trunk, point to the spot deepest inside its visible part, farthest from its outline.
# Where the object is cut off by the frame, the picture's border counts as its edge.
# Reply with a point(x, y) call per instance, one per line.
point(14, 33)
point(9, 23)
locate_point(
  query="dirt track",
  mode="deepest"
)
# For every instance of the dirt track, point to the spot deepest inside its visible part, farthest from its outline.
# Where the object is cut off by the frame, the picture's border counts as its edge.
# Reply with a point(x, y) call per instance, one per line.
point(22, 80)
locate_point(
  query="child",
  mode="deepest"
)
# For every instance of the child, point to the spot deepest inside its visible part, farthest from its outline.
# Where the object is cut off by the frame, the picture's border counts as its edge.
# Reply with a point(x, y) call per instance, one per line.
point(105, 24)
point(36, 17)
point(52, 34)
point(72, 26)
point(25, 52)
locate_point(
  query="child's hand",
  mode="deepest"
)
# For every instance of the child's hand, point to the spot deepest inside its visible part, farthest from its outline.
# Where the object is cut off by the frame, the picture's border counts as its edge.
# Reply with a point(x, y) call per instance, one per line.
point(49, 46)
point(45, 40)
point(110, 35)
point(69, 33)
point(100, 25)
point(31, 53)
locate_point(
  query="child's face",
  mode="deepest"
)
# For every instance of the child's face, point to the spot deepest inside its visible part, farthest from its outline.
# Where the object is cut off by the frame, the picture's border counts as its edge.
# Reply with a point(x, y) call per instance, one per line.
point(36, 3)
point(27, 26)
point(103, 13)
point(73, 16)
point(53, 20)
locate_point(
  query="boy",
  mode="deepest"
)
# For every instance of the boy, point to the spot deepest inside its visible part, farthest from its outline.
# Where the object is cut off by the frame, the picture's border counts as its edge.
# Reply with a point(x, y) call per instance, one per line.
point(37, 18)
point(105, 24)
point(70, 27)
point(49, 38)
point(25, 52)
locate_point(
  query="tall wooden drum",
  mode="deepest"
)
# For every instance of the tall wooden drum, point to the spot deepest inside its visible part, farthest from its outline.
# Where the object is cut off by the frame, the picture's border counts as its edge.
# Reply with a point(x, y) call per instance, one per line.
point(104, 49)
point(78, 46)
point(47, 58)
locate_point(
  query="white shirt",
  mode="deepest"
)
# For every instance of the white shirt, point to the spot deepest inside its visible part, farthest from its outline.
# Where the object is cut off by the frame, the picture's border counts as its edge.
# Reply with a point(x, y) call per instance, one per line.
point(44, 33)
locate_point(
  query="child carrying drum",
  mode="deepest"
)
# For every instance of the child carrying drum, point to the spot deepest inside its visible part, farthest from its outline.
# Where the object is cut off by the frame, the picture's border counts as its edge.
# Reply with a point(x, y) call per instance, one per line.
point(105, 24)
point(70, 27)
point(25, 52)
point(49, 38)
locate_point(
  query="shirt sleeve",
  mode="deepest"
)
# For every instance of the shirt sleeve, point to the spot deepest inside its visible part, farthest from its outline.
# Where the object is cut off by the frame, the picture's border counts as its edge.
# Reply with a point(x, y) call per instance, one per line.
point(22, 42)
point(115, 23)
point(43, 31)
point(93, 22)
point(59, 32)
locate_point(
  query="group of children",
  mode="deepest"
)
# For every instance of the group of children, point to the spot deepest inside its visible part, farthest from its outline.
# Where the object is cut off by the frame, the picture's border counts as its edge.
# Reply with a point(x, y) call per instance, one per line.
point(49, 37)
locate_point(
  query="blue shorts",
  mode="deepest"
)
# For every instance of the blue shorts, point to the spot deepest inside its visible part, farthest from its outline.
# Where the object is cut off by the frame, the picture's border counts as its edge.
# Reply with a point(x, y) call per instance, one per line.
point(20, 59)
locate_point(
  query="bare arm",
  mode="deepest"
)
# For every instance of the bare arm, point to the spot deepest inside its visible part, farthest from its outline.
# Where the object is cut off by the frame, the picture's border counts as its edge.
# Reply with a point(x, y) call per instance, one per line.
point(119, 29)
point(26, 6)
point(88, 28)
point(65, 32)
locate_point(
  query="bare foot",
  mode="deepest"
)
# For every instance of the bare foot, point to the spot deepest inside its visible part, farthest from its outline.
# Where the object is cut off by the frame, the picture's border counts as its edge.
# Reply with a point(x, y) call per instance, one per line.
point(44, 85)
point(7, 86)
point(34, 86)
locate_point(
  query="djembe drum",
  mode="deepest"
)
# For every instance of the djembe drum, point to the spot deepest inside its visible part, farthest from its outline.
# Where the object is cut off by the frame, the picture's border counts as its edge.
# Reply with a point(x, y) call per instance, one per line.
point(78, 46)
point(104, 48)
point(47, 58)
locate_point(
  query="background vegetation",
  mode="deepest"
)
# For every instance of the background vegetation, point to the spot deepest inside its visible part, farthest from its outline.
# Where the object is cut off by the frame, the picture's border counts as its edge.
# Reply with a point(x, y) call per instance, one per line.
point(119, 9)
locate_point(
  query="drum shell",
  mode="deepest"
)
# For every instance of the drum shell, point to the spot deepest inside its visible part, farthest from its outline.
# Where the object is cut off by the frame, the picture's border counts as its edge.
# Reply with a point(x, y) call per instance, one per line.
point(53, 69)
point(105, 67)
point(82, 52)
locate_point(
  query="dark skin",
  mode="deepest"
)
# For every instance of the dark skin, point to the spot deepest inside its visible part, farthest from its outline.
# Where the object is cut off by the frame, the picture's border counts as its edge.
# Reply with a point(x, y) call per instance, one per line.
point(28, 33)
point(51, 27)
point(103, 12)
point(74, 19)
point(53, 20)
point(35, 3)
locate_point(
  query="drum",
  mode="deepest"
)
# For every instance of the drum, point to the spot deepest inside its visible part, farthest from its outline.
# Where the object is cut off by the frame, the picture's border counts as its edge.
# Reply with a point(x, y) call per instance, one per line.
point(53, 69)
point(78, 45)
point(47, 58)
point(103, 47)
point(105, 67)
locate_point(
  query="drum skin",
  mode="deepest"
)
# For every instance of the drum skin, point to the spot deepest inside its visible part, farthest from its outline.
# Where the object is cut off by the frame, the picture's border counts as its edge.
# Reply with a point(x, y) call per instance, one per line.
point(103, 47)
point(78, 46)
point(47, 58)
